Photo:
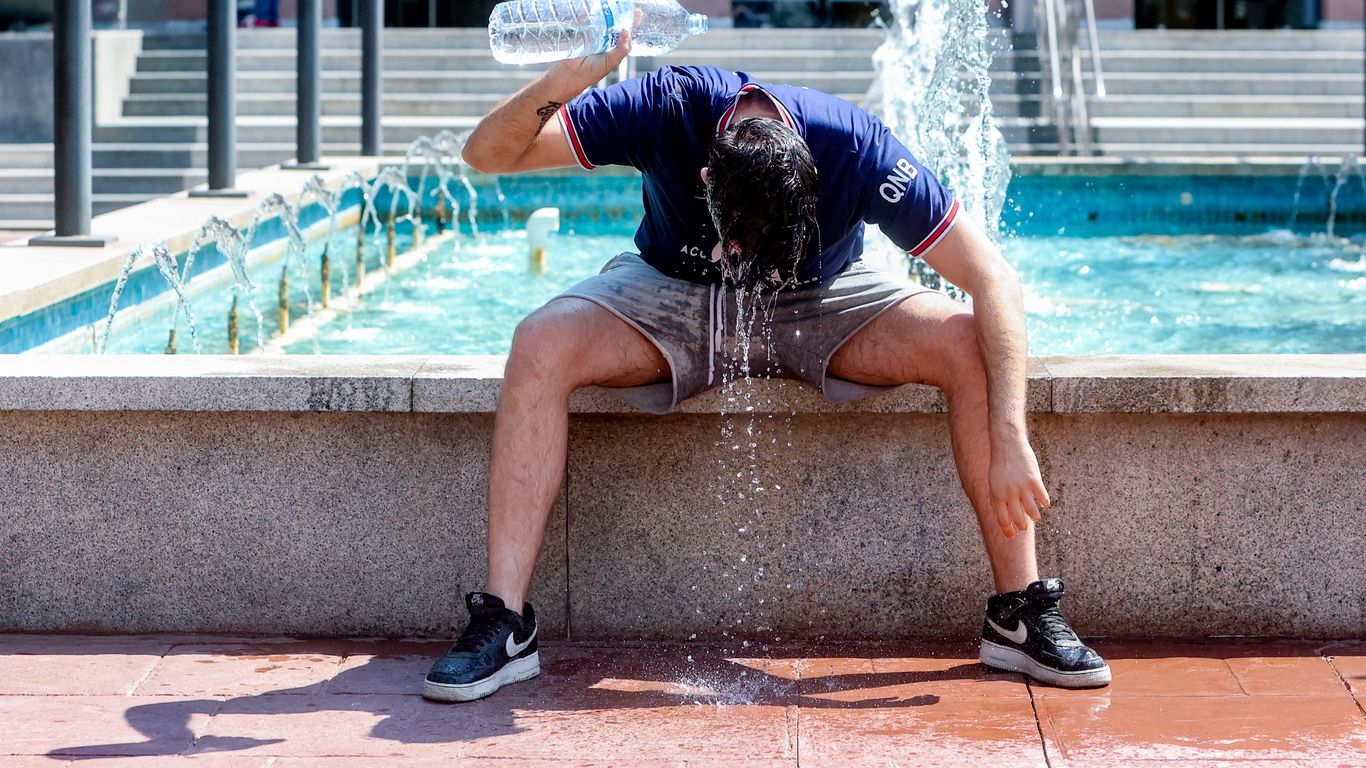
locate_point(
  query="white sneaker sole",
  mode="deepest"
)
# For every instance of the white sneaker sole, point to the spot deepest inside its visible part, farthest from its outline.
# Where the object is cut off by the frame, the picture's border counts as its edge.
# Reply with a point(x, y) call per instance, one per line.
point(514, 671)
point(1013, 660)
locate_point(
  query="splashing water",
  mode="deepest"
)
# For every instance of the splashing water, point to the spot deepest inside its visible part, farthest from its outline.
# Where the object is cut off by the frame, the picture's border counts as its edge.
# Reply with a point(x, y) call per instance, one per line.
point(433, 157)
point(166, 265)
point(932, 89)
point(229, 242)
point(331, 202)
point(276, 204)
point(103, 339)
point(453, 146)
point(1321, 173)
point(502, 203)
point(1349, 169)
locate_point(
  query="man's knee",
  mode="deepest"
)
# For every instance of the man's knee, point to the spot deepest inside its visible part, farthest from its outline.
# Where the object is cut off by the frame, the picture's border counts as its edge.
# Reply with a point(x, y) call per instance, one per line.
point(547, 342)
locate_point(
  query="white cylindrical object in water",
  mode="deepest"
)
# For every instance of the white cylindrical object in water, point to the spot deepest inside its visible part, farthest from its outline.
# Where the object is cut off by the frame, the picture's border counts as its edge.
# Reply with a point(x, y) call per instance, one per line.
point(539, 225)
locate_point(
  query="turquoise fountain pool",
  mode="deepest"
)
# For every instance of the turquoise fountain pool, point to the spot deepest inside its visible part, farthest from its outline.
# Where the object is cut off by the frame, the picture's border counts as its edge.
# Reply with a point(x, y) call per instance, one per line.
point(1110, 266)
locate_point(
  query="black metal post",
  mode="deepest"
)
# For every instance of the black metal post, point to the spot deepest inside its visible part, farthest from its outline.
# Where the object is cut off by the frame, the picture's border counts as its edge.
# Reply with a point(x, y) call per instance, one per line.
point(309, 97)
point(371, 77)
point(72, 124)
point(222, 98)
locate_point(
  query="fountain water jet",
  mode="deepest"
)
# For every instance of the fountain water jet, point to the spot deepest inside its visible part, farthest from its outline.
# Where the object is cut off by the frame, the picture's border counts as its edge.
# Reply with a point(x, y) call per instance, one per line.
point(1349, 168)
point(331, 202)
point(1312, 164)
point(233, 246)
point(932, 89)
point(453, 146)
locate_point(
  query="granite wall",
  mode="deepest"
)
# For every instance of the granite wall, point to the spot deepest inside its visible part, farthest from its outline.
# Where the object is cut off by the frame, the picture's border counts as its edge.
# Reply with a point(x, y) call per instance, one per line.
point(350, 500)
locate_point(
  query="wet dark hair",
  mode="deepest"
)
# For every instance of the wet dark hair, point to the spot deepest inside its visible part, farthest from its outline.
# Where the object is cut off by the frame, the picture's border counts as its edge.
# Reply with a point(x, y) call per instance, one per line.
point(761, 192)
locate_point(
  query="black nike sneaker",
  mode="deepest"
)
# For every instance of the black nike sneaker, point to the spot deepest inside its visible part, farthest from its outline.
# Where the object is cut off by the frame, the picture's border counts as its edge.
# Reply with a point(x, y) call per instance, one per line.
point(496, 649)
point(1025, 632)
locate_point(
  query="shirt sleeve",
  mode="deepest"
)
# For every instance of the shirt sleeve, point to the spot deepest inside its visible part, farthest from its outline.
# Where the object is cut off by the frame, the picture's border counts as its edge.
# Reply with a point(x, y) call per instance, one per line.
point(903, 197)
point(618, 124)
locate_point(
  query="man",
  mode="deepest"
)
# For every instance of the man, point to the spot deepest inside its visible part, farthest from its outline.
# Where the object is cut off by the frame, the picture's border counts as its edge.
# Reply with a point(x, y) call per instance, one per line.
point(750, 186)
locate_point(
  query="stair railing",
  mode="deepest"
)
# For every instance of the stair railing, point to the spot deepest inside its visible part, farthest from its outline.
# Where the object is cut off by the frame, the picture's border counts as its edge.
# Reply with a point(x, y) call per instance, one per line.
point(1063, 58)
point(1049, 10)
point(1094, 37)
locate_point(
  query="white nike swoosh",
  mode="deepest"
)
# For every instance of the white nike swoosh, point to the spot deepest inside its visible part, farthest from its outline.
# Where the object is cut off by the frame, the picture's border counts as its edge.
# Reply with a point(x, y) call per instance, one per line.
point(515, 648)
point(1017, 636)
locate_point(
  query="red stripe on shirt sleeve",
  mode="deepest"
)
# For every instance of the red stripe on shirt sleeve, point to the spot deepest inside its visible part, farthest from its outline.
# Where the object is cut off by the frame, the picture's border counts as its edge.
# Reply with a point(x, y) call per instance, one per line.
point(574, 139)
point(934, 237)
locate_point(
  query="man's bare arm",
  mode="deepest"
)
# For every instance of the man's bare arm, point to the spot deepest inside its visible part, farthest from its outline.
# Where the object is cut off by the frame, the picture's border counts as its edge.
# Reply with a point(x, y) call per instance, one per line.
point(968, 259)
point(521, 133)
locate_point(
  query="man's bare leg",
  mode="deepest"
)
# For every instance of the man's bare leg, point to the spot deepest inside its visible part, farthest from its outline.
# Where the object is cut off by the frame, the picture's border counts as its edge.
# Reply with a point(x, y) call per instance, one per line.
point(930, 339)
point(567, 344)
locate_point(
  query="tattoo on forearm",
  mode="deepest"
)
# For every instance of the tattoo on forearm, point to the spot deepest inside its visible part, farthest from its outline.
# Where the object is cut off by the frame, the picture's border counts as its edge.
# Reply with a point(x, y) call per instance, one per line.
point(547, 112)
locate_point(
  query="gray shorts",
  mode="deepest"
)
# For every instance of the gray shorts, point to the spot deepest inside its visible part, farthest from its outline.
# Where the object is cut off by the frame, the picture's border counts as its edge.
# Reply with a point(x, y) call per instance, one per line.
point(695, 327)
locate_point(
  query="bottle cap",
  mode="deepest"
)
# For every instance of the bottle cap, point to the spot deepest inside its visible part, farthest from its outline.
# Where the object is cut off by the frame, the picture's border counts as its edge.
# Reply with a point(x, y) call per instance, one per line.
point(697, 23)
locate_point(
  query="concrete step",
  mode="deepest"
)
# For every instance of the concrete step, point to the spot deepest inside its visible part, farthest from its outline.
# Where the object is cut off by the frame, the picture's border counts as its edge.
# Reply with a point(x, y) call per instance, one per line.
point(1244, 62)
point(281, 131)
point(451, 105)
point(19, 230)
point(254, 82)
point(464, 61)
point(1229, 106)
point(1243, 131)
point(195, 155)
point(280, 61)
point(331, 38)
point(500, 84)
point(1231, 39)
point(28, 207)
point(1229, 149)
point(141, 181)
point(181, 156)
point(25, 156)
point(479, 60)
point(469, 37)
point(1178, 84)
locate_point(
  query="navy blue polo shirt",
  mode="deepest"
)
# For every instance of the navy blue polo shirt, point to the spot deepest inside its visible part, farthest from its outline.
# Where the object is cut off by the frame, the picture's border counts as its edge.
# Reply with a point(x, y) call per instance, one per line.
point(663, 124)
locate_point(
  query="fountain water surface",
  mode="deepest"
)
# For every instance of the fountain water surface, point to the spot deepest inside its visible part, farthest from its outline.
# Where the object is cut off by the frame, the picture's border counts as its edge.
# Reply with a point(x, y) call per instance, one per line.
point(439, 157)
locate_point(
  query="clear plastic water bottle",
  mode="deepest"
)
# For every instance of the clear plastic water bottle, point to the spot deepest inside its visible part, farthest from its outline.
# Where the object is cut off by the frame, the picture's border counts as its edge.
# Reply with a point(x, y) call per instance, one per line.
point(536, 31)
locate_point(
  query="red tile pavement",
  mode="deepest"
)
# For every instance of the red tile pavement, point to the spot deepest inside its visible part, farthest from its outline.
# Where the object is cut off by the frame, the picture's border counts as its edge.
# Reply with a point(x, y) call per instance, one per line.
point(1349, 661)
point(1305, 728)
point(92, 666)
point(1292, 676)
point(925, 730)
point(162, 761)
point(101, 725)
point(240, 669)
point(235, 703)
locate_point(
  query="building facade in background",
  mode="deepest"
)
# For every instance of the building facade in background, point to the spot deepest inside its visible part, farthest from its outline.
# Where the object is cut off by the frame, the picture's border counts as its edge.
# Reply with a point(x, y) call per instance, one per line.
point(1120, 14)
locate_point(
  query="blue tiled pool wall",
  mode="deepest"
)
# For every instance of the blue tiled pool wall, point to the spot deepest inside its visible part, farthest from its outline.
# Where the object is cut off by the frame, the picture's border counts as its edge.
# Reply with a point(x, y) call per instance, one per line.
point(25, 332)
point(600, 202)
point(1038, 206)
point(1093, 206)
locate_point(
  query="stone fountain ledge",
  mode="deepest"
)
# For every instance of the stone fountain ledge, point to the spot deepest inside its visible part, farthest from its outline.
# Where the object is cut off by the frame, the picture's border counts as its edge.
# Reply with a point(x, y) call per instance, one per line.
point(317, 495)
point(36, 276)
point(470, 384)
